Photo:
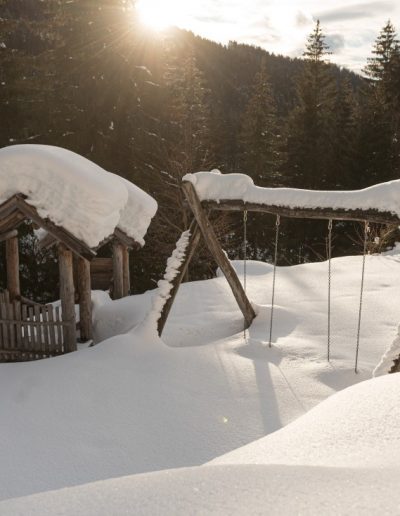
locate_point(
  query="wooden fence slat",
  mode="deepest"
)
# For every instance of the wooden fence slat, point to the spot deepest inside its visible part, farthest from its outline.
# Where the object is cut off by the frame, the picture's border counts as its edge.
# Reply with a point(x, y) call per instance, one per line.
point(11, 327)
point(52, 330)
point(60, 333)
point(38, 328)
point(25, 329)
point(45, 331)
point(3, 315)
point(32, 332)
point(18, 326)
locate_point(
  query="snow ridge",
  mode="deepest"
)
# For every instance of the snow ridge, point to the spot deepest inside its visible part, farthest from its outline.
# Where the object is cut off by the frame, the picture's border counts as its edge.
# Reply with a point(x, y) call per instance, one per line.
point(165, 284)
point(390, 355)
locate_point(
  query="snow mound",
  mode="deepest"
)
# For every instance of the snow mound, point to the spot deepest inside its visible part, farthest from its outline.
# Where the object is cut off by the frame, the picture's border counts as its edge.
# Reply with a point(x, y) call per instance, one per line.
point(358, 427)
point(214, 186)
point(74, 192)
point(231, 489)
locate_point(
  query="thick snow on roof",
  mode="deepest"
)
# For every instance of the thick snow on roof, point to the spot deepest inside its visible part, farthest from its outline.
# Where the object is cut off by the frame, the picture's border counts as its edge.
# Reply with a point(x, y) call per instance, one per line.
point(214, 186)
point(74, 192)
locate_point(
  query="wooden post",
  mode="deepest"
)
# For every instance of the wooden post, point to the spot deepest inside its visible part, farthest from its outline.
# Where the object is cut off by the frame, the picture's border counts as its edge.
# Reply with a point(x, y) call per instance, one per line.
point(67, 296)
point(85, 299)
point(126, 272)
point(194, 240)
point(118, 271)
point(12, 261)
point(217, 252)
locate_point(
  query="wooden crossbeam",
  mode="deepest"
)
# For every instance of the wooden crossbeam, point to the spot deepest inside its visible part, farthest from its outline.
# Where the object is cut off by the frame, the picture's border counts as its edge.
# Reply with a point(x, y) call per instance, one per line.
point(304, 213)
point(216, 251)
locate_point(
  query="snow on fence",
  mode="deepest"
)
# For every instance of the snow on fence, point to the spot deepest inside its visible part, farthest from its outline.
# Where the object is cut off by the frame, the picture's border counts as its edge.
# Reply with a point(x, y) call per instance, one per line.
point(30, 332)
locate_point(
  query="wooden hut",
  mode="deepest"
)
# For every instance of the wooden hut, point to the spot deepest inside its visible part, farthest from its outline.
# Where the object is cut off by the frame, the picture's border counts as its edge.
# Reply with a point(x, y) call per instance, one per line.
point(29, 331)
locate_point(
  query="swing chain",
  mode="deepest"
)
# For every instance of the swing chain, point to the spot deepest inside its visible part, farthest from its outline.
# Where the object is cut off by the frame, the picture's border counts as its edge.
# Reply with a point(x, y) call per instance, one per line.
point(330, 225)
point(366, 233)
point(277, 224)
point(245, 250)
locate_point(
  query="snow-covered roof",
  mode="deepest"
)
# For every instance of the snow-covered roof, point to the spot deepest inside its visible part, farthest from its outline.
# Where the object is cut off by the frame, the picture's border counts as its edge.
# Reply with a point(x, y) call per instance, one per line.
point(75, 193)
point(214, 186)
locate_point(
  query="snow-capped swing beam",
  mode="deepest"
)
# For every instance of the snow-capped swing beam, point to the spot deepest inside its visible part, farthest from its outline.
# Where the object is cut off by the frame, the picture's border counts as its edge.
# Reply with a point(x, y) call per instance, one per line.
point(202, 226)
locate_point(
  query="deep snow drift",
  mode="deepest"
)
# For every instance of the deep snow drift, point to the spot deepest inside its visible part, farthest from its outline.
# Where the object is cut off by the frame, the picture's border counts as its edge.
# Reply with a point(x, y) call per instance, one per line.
point(74, 192)
point(340, 458)
point(134, 404)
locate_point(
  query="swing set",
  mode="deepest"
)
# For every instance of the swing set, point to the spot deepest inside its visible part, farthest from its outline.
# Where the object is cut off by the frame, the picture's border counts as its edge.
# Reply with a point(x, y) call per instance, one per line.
point(201, 226)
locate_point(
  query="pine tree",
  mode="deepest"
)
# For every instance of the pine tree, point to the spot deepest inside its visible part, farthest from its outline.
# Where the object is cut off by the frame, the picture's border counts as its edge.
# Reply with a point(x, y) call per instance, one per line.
point(310, 129)
point(259, 136)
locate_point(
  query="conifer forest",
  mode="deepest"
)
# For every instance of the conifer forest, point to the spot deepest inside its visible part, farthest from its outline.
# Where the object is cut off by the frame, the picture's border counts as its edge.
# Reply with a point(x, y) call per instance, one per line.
point(85, 76)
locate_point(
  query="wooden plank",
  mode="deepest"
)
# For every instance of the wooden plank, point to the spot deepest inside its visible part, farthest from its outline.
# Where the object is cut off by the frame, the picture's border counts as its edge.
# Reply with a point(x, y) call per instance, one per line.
point(194, 240)
point(3, 315)
point(216, 251)
point(304, 213)
point(123, 238)
point(118, 271)
point(12, 261)
point(54, 345)
point(9, 234)
point(45, 330)
point(60, 335)
point(85, 299)
point(32, 330)
point(67, 296)
point(126, 272)
point(18, 326)
point(11, 327)
point(39, 329)
point(25, 328)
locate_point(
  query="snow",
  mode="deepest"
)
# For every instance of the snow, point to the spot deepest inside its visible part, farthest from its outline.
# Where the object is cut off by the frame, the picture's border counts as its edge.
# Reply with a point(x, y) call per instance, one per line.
point(391, 354)
point(165, 285)
point(134, 404)
point(214, 186)
point(74, 193)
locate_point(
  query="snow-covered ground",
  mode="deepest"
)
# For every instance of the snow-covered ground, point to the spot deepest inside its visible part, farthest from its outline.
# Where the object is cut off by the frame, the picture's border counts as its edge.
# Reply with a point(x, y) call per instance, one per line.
point(208, 393)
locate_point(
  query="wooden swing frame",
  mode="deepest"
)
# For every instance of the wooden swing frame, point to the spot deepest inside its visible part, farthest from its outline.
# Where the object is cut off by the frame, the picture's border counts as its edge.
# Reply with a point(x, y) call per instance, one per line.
point(201, 226)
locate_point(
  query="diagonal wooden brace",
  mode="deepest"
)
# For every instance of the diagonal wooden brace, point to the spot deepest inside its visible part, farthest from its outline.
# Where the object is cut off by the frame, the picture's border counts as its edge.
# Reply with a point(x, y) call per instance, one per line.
point(217, 252)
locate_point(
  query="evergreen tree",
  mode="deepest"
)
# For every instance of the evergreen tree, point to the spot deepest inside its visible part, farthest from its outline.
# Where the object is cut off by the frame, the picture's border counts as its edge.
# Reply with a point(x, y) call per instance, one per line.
point(259, 135)
point(311, 124)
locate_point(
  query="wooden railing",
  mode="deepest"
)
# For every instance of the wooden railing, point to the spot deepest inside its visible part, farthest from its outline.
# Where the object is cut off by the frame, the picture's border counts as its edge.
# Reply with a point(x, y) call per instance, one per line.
point(30, 332)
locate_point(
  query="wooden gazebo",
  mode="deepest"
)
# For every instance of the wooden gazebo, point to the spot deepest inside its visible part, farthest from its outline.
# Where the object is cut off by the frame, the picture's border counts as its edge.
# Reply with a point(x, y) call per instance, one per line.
point(30, 331)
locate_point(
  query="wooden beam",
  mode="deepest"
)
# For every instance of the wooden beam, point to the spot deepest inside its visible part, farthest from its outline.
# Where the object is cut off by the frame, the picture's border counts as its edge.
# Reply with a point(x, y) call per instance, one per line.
point(305, 213)
point(67, 296)
point(12, 261)
point(10, 234)
point(61, 234)
point(118, 270)
point(125, 239)
point(217, 252)
point(85, 299)
point(126, 272)
point(194, 240)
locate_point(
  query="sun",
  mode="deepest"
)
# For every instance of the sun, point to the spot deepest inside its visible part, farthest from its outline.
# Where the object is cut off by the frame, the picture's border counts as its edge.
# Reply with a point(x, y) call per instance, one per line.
point(161, 14)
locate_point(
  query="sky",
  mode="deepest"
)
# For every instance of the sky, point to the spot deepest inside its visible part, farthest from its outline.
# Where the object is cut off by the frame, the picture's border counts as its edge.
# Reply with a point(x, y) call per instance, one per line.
point(280, 26)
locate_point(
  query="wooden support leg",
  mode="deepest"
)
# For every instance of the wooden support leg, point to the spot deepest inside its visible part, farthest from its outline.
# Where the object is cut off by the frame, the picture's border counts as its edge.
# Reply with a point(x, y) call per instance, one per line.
point(217, 252)
point(85, 300)
point(67, 295)
point(126, 273)
point(118, 271)
point(194, 240)
point(12, 260)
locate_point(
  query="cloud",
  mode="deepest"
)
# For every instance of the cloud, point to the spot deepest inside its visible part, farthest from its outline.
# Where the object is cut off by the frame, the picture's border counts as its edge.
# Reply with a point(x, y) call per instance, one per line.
point(335, 42)
point(353, 12)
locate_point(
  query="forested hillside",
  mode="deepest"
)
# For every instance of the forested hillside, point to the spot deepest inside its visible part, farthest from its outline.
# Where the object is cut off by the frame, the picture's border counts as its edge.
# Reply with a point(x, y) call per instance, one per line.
point(85, 75)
